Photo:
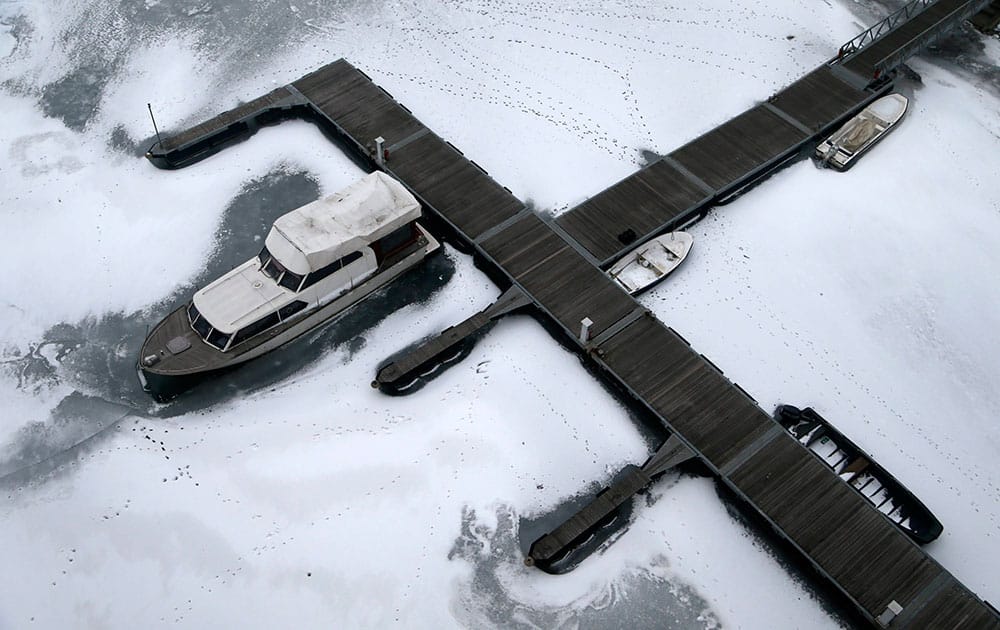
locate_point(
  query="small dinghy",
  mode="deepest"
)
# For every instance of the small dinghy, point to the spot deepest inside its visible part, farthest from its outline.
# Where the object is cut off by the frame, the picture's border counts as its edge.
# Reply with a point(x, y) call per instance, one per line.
point(858, 470)
point(649, 263)
point(861, 133)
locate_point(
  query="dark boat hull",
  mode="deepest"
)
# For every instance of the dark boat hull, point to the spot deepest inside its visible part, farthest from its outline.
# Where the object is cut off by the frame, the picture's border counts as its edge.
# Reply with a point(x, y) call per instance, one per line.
point(904, 509)
point(165, 387)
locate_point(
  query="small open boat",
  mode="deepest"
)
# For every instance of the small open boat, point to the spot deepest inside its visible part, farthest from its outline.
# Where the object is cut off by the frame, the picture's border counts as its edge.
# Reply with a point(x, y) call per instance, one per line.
point(317, 261)
point(649, 263)
point(861, 472)
point(861, 133)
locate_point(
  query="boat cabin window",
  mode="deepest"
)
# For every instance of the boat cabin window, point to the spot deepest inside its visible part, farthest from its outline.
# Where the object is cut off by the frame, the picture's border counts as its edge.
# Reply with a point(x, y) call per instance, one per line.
point(397, 239)
point(259, 326)
point(273, 269)
point(218, 339)
point(335, 266)
point(255, 328)
point(290, 280)
point(290, 309)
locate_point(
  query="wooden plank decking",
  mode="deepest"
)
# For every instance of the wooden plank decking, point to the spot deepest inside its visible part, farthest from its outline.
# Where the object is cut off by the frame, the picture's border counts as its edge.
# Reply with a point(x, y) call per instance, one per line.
point(672, 191)
point(860, 551)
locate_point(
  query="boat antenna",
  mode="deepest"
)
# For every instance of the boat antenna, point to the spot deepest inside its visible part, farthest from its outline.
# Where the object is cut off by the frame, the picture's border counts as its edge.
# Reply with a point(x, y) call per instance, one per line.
point(151, 117)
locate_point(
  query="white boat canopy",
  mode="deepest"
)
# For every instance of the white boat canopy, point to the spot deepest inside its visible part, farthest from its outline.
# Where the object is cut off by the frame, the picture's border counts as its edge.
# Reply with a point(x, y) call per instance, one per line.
point(313, 236)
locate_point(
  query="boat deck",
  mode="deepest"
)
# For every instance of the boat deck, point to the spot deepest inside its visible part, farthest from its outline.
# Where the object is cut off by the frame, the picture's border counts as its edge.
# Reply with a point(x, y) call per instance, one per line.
point(556, 265)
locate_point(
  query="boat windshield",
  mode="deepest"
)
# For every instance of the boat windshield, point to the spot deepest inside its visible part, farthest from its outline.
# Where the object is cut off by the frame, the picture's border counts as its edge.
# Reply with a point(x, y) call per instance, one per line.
point(205, 329)
point(202, 327)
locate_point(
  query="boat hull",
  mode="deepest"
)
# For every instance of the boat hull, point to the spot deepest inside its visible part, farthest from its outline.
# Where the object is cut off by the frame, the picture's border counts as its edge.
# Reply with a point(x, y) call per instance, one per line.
point(168, 377)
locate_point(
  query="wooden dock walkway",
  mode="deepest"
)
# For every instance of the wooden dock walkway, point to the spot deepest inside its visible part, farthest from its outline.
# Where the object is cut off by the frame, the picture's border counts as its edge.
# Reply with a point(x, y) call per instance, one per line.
point(556, 265)
point(680, 187)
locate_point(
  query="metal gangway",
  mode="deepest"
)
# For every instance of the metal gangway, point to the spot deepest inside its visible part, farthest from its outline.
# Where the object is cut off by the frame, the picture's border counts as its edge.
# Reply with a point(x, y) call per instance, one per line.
point(882, 48)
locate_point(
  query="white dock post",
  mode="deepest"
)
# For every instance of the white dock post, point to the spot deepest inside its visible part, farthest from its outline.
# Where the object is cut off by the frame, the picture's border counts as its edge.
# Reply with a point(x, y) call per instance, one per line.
point(585, 325)
point(380, 151)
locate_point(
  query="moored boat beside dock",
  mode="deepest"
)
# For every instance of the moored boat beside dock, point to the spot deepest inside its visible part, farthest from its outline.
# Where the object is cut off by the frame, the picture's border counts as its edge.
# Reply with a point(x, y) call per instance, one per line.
point(317, 261)
point(651, 262)
point(858, 135)
point(860, 471)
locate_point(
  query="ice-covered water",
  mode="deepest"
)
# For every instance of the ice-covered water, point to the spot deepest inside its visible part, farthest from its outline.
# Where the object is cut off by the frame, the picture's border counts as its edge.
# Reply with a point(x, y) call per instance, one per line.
point(291, 493)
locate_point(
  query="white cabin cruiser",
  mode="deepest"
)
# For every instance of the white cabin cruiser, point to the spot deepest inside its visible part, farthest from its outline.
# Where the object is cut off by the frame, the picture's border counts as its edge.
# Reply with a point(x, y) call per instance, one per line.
point(861, 133)
point(317, 261)
point(649, 263)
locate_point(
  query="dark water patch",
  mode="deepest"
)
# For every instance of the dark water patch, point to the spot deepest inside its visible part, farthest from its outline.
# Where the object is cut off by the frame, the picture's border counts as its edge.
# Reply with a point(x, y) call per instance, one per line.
point(964, 51)
point(99, 356)
point(239, 36)
point(636, 600)
point(21, 30)
point(43, 449)
point(248, 218)
point(75, 97)
point(31, 369)
point(121, 141)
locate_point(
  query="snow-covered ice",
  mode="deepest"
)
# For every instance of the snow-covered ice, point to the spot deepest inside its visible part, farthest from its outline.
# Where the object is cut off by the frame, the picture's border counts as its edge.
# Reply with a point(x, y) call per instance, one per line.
point(293, 494)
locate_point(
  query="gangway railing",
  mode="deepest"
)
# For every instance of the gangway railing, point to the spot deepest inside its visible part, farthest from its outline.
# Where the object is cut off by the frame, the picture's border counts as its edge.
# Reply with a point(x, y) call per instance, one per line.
point(902, 50)
point(890, 22)
point(929, 36)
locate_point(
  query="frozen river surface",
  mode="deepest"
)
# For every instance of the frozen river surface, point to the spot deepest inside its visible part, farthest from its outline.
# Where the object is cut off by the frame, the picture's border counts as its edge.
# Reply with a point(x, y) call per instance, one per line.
point(290, 493)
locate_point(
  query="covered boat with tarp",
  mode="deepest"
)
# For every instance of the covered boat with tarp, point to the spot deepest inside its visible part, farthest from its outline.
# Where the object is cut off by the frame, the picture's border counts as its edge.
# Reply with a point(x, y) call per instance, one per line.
point(861, 133)
point(317, 261)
